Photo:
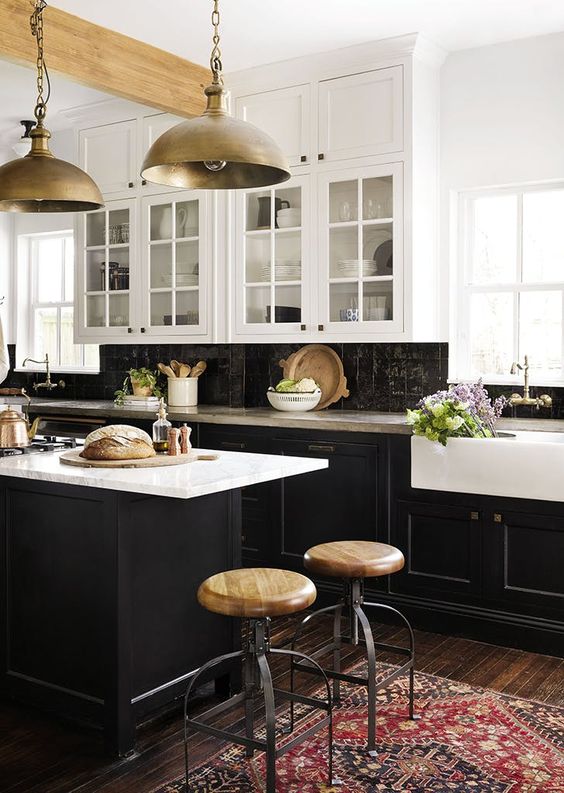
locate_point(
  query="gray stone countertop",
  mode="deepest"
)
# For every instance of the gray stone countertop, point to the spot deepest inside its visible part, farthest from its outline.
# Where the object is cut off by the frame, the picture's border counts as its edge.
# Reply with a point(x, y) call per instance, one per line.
point(341, 420)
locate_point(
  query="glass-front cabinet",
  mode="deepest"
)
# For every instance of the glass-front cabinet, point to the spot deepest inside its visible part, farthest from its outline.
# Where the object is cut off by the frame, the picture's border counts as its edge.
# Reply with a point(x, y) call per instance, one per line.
point(107, 271)
point(176, 234)
point(272, 272)
point(360, 250)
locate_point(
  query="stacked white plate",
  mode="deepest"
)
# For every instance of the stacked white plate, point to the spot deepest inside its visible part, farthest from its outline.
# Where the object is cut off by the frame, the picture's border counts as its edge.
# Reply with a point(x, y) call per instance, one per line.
point(290, 270)
point(349, 268)
point(182, 279)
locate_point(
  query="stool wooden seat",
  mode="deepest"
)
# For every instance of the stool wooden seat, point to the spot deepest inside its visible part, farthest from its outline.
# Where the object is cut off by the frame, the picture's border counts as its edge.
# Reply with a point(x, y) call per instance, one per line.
point(256, 592)
point(353, 559)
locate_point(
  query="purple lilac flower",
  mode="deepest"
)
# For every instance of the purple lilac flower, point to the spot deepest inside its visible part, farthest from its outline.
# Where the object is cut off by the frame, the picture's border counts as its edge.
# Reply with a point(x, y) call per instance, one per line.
point(476, 400)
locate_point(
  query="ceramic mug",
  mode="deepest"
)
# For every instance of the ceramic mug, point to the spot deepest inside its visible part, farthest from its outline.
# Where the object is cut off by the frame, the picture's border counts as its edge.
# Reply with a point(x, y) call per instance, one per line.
point(349, 314)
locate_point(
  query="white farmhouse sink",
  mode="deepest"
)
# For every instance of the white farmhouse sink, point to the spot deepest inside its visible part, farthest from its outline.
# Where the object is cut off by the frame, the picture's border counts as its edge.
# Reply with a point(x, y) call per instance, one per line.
point(527, 465)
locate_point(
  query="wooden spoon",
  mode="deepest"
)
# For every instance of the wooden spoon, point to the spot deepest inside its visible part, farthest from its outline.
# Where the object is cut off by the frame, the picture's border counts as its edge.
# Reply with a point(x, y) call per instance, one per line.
point(184, 370)
point(166, 370)
point(175, 366)
point(198, 369)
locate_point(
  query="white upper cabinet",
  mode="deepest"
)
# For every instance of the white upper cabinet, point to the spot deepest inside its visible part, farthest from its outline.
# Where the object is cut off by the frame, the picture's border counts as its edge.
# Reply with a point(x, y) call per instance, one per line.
point(109, 154)
point(152, 127)
point(285, 115)
point(361, 115)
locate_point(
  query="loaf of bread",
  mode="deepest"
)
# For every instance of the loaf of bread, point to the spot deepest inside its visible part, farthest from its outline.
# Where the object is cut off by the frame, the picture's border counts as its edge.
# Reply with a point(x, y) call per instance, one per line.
point(118, 442)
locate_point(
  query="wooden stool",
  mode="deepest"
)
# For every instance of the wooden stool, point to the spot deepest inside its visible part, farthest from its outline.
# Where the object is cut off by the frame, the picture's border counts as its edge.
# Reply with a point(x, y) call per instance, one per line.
point(353, 561)
point(256, 595)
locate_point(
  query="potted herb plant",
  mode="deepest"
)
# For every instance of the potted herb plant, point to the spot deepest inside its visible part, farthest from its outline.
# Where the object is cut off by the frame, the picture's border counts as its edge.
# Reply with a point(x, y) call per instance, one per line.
point(143, 382)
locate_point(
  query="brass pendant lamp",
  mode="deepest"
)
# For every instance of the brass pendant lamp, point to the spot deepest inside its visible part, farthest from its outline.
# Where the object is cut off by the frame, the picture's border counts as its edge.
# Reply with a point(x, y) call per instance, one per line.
point(39, 182)
point(215, 151)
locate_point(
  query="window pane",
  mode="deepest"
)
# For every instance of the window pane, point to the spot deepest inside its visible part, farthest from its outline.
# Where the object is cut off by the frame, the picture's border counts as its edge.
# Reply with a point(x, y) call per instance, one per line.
point(45, 333)
point(49, 259)
point(491, 328)
point(69, 270)
point(543, 240)
point(70, 352)
point(540, 331)
point(494, 247)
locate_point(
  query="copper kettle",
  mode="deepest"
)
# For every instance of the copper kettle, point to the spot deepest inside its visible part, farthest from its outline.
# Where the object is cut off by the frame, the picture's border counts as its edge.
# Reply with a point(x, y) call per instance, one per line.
point(15, 432)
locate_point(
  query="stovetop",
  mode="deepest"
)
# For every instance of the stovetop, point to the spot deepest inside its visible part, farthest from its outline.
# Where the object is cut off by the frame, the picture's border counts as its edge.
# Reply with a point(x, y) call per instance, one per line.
point(44, 443)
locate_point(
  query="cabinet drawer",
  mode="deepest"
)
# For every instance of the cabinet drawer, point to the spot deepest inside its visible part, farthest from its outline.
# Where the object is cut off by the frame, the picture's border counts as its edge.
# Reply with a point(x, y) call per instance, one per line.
point(442, 549)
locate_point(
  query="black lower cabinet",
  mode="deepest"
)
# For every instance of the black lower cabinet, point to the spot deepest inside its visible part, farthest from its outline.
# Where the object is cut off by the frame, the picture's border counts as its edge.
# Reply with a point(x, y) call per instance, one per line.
point(442, 545)
point(341, 502)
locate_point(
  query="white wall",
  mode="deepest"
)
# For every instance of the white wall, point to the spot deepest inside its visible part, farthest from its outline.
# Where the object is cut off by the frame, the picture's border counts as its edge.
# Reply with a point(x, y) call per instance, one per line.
point(502, 122)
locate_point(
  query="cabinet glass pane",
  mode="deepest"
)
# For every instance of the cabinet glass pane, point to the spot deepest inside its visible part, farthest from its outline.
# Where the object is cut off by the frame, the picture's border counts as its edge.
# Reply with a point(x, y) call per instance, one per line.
point(160, 265)
point(257, 299)
point(187, 308)
point(343, 303)
point(288, 253)
point(377, 198)
point(187, 219)
point(288, 207)
point(343, 252)
point(288, 301)
point(259, 211)
point(187, 267)
point(377, 301)
point(257, 258)
point(119, 311)
point(343, 201)
point(118, 226)
point(96, 271)
point(96, 311)
point(96, 228)
point(377, 250)
point(161, 222)
point(161, 308)
point(118, 266)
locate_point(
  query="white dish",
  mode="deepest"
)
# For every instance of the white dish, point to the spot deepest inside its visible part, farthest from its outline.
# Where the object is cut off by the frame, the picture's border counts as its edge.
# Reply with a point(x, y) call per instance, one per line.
point(293, 402)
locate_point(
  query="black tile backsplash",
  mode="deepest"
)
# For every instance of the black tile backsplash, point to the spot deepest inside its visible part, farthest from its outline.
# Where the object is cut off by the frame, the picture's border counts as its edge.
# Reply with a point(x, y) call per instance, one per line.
point(384, 377)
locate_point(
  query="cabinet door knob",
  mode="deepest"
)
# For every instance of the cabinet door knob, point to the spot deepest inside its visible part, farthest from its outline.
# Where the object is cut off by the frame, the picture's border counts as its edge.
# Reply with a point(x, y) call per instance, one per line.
point(143, 182)
point(142, 330)
point(131, 184)
point(303, 158)
point(320, 156)
point(303, 327)
point(130, 330)
point(320, 327)
point(498, 517)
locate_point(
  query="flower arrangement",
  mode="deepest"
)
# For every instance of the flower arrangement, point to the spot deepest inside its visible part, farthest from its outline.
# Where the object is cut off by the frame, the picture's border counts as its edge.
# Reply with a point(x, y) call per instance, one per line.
point(464, 411)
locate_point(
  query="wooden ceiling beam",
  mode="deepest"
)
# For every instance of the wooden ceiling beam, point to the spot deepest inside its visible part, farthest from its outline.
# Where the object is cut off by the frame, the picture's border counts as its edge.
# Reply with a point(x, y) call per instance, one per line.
point(103, 59)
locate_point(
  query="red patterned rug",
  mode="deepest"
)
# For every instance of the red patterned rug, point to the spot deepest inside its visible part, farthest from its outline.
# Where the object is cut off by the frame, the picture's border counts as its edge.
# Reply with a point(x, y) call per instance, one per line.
point(469, 740)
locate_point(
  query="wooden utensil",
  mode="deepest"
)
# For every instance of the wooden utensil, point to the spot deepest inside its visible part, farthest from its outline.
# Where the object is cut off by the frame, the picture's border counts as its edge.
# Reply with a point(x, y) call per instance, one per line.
point(166, 370)
point(175, 366)
point(323, 365)
point(198, 369)
point(184, 370)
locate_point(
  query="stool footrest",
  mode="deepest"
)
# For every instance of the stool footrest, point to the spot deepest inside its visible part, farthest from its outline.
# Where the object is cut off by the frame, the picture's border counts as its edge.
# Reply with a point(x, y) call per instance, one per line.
point(303, 735)
point(313, 702)
point(234, 737)
point(355, 679)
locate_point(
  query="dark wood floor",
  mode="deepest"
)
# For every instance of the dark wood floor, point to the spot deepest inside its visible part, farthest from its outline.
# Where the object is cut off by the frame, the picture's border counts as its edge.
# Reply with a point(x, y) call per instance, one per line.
point(41, 755)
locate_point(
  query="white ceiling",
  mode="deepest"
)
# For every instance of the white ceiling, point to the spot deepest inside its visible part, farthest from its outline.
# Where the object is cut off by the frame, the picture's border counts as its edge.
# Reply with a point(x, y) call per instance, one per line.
point(261, 31)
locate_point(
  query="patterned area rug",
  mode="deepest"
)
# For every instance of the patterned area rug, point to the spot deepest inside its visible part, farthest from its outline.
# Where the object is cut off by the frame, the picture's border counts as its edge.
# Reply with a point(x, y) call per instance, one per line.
point(469, 740)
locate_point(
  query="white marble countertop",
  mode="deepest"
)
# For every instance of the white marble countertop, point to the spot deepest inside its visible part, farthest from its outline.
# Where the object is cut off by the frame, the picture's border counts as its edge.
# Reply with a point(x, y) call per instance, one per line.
point(199, 478)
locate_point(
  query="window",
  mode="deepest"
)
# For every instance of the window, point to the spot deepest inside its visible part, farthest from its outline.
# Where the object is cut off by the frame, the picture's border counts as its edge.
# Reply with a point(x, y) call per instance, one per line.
point(509, 285)
point(51, 309)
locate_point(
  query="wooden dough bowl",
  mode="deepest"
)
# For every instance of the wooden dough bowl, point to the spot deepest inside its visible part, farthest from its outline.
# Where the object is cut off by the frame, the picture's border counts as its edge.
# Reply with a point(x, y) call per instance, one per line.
point(323, 365)
point(73, 458)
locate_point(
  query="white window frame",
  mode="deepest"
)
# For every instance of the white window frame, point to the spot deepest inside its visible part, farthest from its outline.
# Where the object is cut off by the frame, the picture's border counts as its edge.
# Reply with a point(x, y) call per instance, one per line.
point(461, 288)
point(27, 289)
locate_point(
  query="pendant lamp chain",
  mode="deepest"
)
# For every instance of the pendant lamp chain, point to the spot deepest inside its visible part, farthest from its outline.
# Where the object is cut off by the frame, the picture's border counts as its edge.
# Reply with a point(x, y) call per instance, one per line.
point(36, 24)
point(215, 59)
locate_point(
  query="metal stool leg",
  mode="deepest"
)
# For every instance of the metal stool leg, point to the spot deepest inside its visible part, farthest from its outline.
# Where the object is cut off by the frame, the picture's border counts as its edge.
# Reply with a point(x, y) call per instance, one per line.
point(407, 624)
point(270, 713)
point(371, 655)
point(202, 670)
point(337, 653)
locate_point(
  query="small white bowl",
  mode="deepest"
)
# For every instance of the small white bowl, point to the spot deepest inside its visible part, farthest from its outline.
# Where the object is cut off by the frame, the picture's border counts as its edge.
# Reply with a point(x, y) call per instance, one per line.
point(289, 401)
point(288, 222)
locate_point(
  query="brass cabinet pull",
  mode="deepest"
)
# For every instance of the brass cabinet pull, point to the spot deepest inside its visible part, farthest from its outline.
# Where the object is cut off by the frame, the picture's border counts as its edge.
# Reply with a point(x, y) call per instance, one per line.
point(319, 447)
point(498, 517)
point(233, 445)
point(474, 516)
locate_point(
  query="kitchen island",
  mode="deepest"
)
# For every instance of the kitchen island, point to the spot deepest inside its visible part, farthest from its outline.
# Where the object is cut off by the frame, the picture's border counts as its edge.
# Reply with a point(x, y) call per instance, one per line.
point(99, 569)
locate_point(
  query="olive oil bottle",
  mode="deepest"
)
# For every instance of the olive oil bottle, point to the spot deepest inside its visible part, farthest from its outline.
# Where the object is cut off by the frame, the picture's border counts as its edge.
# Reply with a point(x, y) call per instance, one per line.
point(160, 429)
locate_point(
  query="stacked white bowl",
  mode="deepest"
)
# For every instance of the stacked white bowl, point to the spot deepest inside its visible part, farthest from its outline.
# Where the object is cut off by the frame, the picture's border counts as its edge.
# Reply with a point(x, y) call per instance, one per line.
point(289, 217)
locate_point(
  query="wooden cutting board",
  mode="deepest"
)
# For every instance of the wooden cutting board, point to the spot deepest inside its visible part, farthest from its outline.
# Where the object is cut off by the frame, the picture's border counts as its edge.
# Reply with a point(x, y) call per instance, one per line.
point(73, 458)
point(324, 366)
